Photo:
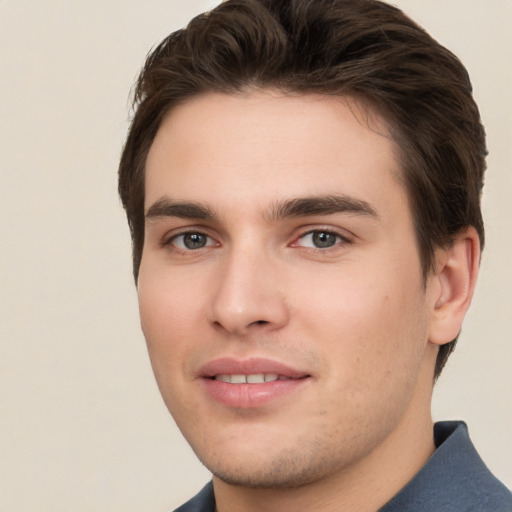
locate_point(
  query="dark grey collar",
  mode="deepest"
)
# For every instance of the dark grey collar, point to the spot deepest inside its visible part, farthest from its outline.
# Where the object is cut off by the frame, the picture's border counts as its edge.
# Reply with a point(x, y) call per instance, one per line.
point(454, 479)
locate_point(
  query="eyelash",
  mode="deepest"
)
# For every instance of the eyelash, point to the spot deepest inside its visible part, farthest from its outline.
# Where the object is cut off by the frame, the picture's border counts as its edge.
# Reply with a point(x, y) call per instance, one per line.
point(340, 240)
point(171, 241)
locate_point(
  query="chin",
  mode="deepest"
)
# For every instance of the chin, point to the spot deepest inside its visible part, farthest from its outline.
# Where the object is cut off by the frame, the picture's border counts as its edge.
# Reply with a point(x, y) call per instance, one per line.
point(287, 469)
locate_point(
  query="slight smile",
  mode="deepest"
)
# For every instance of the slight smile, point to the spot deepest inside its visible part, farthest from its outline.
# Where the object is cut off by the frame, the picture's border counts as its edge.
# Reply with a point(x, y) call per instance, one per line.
point(250, 383)
point(254, 378)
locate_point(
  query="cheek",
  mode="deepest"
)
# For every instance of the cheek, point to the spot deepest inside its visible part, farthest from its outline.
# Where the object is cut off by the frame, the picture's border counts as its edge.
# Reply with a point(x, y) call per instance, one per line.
point(166, 302)
point(166, 319)
point(373, 325)
point(373, 344)
point(166, 315)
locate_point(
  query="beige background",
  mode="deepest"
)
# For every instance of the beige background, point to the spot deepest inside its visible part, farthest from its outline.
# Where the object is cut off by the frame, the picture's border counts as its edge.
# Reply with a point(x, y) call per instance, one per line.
point(82, 426)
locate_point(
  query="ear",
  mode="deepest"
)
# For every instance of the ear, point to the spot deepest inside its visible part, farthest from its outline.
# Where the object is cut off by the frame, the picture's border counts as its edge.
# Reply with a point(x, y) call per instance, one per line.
point(452, 285)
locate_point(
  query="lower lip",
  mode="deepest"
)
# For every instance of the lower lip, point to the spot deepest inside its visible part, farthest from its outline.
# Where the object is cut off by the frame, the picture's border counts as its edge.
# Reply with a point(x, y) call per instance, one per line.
point(248, 396)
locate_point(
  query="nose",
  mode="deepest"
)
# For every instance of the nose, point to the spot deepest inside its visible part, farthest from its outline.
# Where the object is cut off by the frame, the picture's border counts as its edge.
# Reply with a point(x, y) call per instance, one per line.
point(248, 296)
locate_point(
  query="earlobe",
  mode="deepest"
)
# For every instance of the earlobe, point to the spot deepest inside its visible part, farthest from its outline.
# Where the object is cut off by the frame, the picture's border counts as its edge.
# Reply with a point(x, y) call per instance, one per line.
point(452, 286)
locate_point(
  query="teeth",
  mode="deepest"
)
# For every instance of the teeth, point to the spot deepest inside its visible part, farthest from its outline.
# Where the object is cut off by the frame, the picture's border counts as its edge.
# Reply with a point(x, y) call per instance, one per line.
point(255, 378)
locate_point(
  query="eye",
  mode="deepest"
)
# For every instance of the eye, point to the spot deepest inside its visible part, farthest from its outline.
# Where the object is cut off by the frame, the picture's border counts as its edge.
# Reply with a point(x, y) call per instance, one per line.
point(191, 241)
point(320, 239)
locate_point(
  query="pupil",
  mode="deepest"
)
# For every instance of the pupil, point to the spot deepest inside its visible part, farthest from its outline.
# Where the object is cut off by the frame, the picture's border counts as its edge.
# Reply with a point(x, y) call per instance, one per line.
point(322, 239)
point(194, 241)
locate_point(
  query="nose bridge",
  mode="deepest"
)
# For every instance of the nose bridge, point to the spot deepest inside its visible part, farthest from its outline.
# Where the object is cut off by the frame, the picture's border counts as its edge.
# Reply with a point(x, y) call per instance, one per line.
point(248, 293)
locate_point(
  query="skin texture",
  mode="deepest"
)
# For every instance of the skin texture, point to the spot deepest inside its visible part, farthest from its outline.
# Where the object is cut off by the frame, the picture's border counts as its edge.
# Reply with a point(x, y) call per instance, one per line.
point(355, 317)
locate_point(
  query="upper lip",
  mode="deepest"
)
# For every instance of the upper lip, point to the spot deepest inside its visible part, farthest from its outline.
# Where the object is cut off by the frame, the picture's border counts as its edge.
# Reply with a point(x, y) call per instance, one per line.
point(255, 365)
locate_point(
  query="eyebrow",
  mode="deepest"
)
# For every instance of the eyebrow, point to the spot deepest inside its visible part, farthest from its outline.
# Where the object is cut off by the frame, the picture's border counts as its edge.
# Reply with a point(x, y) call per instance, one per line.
point(165, 207)
point(320, 205)
point(289, 208)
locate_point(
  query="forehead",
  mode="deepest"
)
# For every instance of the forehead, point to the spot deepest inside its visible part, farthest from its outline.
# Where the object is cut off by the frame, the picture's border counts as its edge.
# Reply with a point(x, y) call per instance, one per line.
point(267, 145)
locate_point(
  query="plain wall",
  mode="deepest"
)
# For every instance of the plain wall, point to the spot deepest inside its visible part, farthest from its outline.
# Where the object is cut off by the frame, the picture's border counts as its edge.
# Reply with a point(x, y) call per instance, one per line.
point(82, 425)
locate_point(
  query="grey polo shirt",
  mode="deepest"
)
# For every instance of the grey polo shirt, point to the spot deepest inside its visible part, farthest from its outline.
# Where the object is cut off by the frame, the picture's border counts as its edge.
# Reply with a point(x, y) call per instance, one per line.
point(454, 479)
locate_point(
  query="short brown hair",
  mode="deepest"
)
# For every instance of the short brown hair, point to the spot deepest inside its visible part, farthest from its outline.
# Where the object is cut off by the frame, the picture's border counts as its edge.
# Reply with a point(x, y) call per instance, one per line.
point(362, 48)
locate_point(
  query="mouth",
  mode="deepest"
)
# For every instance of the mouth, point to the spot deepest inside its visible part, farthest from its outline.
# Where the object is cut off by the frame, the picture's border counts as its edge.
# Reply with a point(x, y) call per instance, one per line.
point(250, 383)
point(253, 378)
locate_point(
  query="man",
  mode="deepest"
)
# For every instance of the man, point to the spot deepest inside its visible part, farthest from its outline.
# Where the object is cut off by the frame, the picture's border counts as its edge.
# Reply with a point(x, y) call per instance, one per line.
point(302, 182)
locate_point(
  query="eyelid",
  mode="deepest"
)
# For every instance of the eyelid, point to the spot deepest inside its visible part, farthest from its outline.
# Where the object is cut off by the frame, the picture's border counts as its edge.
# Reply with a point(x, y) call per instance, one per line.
point(342, 235)
point(169, 238)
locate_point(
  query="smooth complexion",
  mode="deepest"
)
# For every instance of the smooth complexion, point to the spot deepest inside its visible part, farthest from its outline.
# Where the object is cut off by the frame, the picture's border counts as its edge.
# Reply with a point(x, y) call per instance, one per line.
point(279, 241)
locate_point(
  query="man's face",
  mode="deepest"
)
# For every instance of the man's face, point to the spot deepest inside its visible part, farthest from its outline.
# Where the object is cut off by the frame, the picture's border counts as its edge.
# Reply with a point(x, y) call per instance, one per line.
point(280, 288)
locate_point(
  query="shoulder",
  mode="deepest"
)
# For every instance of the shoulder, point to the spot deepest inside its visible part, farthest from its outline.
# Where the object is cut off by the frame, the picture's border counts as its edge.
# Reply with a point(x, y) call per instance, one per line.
point(466, 479)
point(204, 501)
point(454, 479)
